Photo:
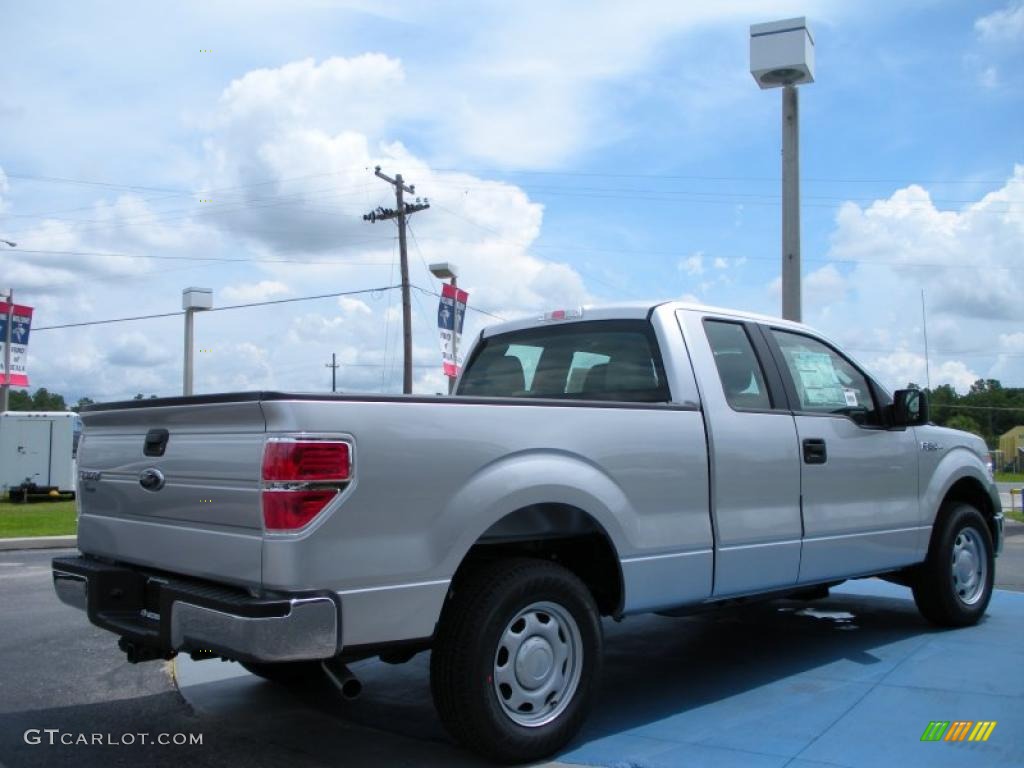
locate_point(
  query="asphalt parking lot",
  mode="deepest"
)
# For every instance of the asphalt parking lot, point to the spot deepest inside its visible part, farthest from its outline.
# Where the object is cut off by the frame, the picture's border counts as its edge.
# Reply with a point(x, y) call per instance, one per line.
point(852, 680)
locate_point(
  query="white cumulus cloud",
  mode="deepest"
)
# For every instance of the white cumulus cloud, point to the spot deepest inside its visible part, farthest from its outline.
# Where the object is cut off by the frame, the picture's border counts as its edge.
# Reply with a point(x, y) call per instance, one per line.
point(1004, 25)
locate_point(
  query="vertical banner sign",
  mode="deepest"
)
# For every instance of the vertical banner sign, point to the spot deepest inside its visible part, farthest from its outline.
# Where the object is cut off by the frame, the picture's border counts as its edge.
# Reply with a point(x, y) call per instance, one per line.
point(450, 313)
point(19, 344)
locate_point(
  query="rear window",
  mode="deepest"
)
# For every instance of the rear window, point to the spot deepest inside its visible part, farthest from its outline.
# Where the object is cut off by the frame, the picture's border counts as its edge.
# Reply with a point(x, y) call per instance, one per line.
point(615, 360)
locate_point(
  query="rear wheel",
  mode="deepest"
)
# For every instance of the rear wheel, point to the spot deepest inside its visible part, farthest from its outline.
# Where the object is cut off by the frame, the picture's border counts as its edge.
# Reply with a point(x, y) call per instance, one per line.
point(516, 659)
point(952, 588)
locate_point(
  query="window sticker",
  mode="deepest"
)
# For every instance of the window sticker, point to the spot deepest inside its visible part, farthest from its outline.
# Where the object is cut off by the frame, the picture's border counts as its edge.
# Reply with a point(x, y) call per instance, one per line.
point(819, 379)
point(851, 397)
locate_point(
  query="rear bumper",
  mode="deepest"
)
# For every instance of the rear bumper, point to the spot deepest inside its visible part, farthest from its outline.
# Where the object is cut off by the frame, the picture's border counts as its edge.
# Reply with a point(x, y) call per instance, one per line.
point(166, 614)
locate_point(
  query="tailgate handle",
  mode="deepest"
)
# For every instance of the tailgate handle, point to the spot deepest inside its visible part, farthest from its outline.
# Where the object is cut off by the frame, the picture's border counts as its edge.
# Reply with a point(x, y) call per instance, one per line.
point(156, 442)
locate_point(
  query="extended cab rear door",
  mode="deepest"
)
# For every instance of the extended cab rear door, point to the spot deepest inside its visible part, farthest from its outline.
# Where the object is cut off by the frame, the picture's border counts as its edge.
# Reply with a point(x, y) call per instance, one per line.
point(859, 478)
point(752, 441)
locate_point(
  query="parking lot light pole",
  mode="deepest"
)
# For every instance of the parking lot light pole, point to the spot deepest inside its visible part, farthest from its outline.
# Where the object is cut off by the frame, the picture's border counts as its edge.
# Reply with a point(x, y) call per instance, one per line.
point(443, 271)
point(192, 300)
point(782, 55)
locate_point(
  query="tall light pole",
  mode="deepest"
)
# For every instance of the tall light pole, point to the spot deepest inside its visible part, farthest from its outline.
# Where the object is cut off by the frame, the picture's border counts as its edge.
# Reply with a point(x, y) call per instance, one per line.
point(192, 300)
point(443, 271)
point(782, 55)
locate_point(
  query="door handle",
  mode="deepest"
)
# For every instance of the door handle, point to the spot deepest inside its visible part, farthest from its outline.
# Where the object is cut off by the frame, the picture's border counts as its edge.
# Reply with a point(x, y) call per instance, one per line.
point(815, 451)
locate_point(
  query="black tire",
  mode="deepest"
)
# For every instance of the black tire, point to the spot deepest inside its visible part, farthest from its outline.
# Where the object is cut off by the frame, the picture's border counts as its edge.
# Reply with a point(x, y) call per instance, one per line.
point(288, 673)
point(939, 596)
point(475, 626)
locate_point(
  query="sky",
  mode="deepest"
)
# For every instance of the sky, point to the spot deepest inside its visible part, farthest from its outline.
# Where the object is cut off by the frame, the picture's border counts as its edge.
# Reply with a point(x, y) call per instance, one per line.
point(572, 153)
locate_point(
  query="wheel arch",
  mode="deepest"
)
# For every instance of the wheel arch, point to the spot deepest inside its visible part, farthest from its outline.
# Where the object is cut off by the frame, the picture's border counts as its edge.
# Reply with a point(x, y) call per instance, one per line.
point(969, 490)
point(559, 532)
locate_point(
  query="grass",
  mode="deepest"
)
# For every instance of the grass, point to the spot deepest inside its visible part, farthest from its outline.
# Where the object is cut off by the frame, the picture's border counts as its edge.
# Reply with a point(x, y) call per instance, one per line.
point(1009, 477)
point(45, 518)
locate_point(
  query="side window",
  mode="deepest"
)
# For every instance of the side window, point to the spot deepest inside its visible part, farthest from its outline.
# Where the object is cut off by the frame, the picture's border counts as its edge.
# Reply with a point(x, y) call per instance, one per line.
point(826, 381)
point(738, 367)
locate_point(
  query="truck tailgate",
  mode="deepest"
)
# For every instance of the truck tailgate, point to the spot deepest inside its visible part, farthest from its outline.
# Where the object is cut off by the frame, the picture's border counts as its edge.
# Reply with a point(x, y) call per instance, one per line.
point(192, 507)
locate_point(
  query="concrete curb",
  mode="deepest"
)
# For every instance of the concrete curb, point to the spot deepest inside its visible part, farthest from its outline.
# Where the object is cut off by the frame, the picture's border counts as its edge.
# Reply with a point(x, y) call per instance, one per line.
point(38, 542)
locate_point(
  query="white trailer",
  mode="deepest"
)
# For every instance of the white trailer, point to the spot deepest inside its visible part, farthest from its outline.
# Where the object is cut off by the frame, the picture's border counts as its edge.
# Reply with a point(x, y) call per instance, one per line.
point(37, 446)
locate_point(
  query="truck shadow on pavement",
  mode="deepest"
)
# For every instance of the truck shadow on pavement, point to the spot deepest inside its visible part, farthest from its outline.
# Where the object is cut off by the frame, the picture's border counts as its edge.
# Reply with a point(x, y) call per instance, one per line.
point(747, 663)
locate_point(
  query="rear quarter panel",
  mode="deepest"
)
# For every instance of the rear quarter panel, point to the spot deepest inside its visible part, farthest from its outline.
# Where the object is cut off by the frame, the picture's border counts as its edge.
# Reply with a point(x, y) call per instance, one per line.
point(431, 477)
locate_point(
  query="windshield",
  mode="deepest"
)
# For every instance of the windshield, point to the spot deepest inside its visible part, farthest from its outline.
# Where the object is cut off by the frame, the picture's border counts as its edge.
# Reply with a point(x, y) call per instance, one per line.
point(614, 360)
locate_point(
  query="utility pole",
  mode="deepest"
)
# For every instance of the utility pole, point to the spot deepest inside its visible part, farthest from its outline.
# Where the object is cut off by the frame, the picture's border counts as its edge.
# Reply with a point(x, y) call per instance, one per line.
point(5, 397)
point(333, 365)
point(400, 211)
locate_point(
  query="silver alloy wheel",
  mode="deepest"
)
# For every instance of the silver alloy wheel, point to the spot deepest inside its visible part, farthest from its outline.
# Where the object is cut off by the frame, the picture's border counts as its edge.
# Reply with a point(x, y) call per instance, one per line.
point(537, 664)
point(970, 566)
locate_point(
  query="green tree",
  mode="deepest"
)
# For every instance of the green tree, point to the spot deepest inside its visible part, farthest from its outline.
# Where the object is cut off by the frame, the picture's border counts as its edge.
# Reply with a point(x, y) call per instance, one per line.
point(966, 423)
point(41, 400)
point(44, 400)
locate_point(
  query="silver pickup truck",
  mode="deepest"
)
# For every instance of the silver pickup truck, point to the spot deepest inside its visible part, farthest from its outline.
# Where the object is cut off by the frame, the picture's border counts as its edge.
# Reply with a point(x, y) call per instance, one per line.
point(593, 462)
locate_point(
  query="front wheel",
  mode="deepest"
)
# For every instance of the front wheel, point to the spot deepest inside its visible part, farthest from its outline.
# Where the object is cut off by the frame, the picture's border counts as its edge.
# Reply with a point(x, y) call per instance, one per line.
point(953, 586)
point(516, 659)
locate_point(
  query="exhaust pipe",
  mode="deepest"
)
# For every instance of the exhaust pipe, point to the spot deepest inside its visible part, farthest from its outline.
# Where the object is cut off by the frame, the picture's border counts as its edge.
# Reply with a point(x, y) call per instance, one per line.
point(342, 677)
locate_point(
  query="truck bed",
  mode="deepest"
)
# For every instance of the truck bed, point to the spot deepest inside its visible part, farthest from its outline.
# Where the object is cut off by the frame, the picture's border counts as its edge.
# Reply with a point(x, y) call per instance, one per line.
point(431, 475)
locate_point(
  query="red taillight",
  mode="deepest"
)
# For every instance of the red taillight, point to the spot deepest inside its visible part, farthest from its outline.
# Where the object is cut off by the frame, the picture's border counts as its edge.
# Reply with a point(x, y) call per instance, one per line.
point(307, 461)
point(300, 478)
point(291, 510)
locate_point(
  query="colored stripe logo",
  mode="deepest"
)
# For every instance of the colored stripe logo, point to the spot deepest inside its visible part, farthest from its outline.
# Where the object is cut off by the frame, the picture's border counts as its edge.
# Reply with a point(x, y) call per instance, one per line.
point(958, 730)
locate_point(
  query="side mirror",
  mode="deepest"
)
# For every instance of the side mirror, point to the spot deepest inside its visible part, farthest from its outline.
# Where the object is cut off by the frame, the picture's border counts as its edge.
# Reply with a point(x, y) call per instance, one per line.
point(909, 408)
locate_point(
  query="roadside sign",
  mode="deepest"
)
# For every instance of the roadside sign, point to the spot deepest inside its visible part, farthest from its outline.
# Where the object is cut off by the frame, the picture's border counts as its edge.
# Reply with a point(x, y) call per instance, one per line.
point(19, 344)
point(451, 311)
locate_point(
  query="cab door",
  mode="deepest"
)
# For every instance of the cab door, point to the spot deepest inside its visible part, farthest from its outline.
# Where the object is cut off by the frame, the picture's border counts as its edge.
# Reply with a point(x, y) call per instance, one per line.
point(859, 478)
point(754, 464)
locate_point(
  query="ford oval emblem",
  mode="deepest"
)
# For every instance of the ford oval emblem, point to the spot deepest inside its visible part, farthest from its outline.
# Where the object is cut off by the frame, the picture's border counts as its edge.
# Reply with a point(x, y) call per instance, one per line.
point(151, 479)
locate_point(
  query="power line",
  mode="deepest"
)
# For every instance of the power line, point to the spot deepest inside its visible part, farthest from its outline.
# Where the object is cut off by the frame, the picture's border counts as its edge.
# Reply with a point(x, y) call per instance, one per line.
point(655, 252)
point(231, 206)
point(218, 309)
point(977, 407)
point(699, 177)
point(468, 306)
point(214, 258)
point(724, 196)
point(575, 191)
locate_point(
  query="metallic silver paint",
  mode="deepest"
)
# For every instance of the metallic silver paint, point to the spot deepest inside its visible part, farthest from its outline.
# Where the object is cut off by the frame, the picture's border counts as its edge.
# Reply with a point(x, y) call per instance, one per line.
point(757, 521)
point(867, 486)
point(642, 476)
